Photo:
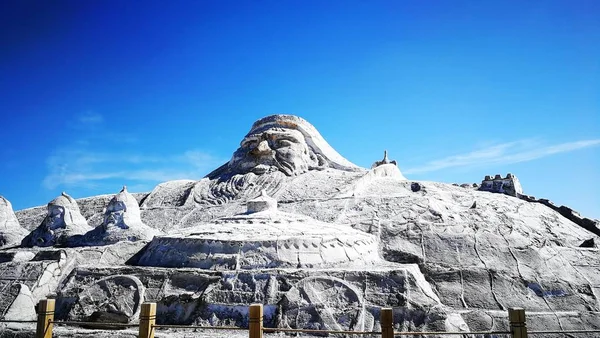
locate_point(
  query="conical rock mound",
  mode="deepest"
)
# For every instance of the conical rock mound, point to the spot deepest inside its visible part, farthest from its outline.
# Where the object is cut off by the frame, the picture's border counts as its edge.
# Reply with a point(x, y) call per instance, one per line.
point(62, 222)
point(11, 232)
point(121, 222)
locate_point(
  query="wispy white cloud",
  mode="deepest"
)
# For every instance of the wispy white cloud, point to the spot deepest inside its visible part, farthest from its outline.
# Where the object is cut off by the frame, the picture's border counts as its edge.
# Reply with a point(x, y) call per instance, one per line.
point(97, 158)
point(69, 168)
point(504, 153)
point(90, 118)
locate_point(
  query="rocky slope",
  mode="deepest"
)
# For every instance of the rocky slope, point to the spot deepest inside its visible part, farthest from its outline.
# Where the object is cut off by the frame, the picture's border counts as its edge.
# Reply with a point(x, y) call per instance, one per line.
point(449, 257)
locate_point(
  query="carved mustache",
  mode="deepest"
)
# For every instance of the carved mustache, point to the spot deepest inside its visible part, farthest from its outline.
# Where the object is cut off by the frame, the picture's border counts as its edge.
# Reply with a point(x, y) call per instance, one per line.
point(283, 165)
point(274, 159)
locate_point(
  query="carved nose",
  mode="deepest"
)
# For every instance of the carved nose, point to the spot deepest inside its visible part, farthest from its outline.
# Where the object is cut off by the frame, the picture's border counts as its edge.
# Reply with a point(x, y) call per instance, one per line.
point(261, 149)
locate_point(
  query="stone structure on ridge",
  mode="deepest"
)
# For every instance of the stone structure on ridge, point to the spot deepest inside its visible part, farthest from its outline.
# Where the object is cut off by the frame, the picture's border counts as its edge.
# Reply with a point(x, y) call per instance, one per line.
point(263, 202)
point(508, 185)
point(384, 161)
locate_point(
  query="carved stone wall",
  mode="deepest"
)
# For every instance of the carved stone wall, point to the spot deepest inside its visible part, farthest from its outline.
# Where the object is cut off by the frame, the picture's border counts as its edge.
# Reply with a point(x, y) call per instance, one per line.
point(508, 185)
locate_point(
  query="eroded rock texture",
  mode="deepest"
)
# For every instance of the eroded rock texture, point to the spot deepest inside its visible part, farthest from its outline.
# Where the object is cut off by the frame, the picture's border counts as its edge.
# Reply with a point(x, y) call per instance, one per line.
point(11, 232)
point(341, 242)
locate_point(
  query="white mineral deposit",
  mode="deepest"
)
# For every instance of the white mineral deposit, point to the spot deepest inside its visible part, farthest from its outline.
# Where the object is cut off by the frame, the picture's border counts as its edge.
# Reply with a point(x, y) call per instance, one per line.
point(11, 232)
point(322, 243)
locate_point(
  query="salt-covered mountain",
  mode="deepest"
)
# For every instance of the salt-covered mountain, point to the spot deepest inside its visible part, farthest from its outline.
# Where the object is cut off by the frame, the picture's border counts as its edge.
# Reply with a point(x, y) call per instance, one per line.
point(288, 222)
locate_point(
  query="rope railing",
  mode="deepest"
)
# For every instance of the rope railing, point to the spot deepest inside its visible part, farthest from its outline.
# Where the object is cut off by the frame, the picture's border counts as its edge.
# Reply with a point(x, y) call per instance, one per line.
point(67, 322)
point(564, 332)
point(396, 333)
point(199, 327)
point(461, 333)
point(273, 329)
point(147, 325)
point(18, 321)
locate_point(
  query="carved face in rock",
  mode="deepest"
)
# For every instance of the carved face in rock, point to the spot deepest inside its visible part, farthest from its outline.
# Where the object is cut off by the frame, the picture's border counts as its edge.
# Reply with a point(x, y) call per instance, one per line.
point(63, 220)
point(56, 217)
point(282, 143)
point(274, 149)
point(122, 211)
point(114, 215)
point(62, 212)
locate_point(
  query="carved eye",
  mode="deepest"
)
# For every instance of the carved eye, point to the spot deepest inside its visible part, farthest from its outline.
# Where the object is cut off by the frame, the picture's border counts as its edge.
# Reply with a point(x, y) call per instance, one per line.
point(284, 143)
point(249, 144)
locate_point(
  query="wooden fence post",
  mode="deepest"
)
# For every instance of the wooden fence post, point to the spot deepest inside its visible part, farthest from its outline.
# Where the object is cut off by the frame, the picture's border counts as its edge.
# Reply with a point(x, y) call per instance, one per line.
point(45, 318)
point(387, 322)
point(518, 327)
point(147, 320)
point(255, 321)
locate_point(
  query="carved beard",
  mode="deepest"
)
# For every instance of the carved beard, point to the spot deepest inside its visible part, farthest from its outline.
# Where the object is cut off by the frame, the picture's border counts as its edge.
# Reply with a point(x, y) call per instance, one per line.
point(116, 220)
point(246, 176)
point(250, 185)
point(264, 164)
point(55, 222)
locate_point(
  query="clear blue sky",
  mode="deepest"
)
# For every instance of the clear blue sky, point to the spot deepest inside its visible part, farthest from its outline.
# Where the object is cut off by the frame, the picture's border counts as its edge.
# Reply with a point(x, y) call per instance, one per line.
point(97, 94)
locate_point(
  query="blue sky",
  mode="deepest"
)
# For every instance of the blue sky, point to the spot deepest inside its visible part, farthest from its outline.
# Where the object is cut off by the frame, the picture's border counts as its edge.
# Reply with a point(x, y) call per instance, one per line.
point(97, 94)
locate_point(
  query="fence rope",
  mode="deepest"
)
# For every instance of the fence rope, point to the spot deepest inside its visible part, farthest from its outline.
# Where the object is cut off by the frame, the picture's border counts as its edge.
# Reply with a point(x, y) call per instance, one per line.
point(273, 329)
point(147, 325)
point(569, 331)
point(199, 327)
point(450, 333)
point(269, 329)
point(17, 321)
point(92, 323)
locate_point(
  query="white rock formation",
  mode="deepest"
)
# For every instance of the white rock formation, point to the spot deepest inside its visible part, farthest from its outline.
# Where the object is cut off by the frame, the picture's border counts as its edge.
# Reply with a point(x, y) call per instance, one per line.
point(11, 232)
point(31, 275)
point(22, 307)
point(263, 238)
point(62, 223)
point(509, 185)
point(443, 256)
point(176, 193)
point(281, 146)
point(97, 302)
point(121, 222)
point(283, 143)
